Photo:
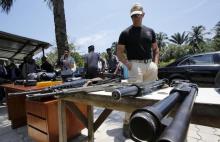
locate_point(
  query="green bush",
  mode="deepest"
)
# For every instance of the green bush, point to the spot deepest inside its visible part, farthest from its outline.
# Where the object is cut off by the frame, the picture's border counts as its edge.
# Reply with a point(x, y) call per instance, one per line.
point(165, 63)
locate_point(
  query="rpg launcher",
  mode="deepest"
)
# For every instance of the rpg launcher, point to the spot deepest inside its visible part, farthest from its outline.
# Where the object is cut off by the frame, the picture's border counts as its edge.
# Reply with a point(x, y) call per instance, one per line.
point(150, 123)
point(138, 89)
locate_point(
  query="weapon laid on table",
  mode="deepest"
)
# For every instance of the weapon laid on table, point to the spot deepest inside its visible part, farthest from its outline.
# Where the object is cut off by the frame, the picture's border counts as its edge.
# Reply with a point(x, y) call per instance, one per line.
point(110, 75)
point(73, 84)
point(27, 82)
point(138, 89)
point(42, 76)
point(47, 92)
point(70, 91)
point(147, 124)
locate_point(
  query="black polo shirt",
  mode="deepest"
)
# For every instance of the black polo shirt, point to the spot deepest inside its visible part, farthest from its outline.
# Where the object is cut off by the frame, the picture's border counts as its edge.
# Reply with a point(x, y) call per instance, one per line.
point(138, 42)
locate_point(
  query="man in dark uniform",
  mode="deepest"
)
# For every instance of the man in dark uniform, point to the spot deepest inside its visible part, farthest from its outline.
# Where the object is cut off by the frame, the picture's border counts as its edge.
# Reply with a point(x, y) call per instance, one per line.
point(112, 62)
point(139, 42)
point(91, 63)
point(46, 66)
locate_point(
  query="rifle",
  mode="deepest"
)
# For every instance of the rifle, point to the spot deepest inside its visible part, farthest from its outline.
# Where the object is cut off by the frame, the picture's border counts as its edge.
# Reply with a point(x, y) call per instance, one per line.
point(110, 75)
point(69, 91)
point(148, 124)
point(138, 89)
point(49, 91)
point(72, 84)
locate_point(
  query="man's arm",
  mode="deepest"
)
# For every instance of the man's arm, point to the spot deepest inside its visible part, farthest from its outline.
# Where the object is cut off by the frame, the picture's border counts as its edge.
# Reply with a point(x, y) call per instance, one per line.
point(103, 64)
point(117, 68)
point(121, 55)
point(155, 53)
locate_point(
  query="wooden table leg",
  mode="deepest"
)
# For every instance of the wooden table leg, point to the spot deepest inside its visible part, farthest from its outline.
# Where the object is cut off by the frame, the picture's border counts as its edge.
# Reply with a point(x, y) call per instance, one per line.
point(90, 123)
point(62, 121)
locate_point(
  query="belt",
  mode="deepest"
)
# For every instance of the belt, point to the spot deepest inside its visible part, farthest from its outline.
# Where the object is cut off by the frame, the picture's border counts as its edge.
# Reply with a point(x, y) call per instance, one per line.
point(142, 61)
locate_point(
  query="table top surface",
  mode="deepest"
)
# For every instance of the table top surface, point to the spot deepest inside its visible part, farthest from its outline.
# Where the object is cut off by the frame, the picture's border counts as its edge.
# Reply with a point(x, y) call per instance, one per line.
point(205, 95)
point(21, 87)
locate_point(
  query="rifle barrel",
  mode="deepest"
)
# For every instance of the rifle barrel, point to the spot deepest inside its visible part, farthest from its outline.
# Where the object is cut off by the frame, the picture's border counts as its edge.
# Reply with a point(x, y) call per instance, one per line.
point(138, 89)
point(125, 91)
point(28, 92)
point(72, 84)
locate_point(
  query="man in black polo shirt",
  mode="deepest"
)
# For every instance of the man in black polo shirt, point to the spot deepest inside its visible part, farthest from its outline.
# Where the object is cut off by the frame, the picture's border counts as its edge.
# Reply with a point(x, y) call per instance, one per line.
point(139, 42)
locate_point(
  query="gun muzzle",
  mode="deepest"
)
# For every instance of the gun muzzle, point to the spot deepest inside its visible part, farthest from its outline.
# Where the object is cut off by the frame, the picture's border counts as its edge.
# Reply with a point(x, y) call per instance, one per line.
point(125, 91)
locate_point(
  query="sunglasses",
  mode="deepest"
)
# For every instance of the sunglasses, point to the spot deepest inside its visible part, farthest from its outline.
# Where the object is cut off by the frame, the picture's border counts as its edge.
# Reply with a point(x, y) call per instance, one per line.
point(136, 15)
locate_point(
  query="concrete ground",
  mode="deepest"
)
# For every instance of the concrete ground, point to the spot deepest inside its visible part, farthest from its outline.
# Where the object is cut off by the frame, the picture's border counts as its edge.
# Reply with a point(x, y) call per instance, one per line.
point(109, 131)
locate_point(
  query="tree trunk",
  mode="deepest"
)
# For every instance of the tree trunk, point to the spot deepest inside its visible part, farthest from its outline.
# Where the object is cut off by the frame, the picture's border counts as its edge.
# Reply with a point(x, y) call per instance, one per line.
point(60, 26)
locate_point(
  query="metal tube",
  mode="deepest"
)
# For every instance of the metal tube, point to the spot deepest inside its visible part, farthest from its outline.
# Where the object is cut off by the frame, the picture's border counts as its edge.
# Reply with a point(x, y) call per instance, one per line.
point(125, 91)
point(138, 89)
point(27, 92)
point(181, 121)
point(165, 105)
point(72, 84)
point(145, 123)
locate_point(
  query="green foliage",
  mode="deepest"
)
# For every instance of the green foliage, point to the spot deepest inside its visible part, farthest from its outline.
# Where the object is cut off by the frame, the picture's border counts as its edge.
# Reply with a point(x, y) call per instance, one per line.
point(78, 59)
point(113, 47)
point(163, 64)
point(179, 38)
point(216, 43)
point(161, 39)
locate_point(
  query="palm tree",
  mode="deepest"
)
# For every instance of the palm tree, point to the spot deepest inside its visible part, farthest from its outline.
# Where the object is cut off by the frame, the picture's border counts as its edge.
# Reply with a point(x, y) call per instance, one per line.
point(217, 36)
point(196, 37)
point(161, 39)
point(179, 38)
point(59, 21)
point(217, 30)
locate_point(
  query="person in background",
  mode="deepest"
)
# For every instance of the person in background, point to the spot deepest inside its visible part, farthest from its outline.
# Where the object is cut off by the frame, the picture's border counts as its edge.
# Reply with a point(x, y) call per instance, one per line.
point(3, 75)
point(46, 66)
point(91, 63)
point(66, 63)
point(29, 67)
point(139, 42)
point(112, 62)
point(3, 71)
point(13, 71)
point(21, 65)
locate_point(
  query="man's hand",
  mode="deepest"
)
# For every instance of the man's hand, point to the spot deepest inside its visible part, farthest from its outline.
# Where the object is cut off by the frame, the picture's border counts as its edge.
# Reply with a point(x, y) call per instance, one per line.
point(129, 66)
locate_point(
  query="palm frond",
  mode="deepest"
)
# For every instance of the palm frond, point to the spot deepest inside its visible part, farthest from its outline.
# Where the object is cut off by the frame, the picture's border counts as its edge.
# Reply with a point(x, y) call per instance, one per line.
point(6, 5)
point(49, 3)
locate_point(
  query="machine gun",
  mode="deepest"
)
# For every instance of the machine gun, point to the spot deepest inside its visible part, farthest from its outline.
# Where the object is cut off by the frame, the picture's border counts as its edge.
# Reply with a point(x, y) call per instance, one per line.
point(110, 75)
point(73, 84)
point(138, 89)
point(147, 124)
point(69, 91)
point(46, 92)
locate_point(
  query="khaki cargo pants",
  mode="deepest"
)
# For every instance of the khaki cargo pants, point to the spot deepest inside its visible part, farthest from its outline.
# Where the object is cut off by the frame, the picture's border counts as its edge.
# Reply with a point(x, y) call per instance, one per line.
point(141, 72)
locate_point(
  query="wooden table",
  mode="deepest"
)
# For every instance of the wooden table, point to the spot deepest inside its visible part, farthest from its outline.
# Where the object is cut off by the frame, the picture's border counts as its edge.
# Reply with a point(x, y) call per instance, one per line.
point(42, 120)
point(16, 104)
point(205, 112)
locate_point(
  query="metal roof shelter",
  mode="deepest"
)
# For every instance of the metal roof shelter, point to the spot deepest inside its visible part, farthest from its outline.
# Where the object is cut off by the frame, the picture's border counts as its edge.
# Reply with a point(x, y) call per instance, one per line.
point(17, 47)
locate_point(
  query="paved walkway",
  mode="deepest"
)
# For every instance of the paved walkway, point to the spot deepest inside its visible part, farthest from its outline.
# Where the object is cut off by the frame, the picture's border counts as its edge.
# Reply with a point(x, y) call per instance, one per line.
point(109, 131)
